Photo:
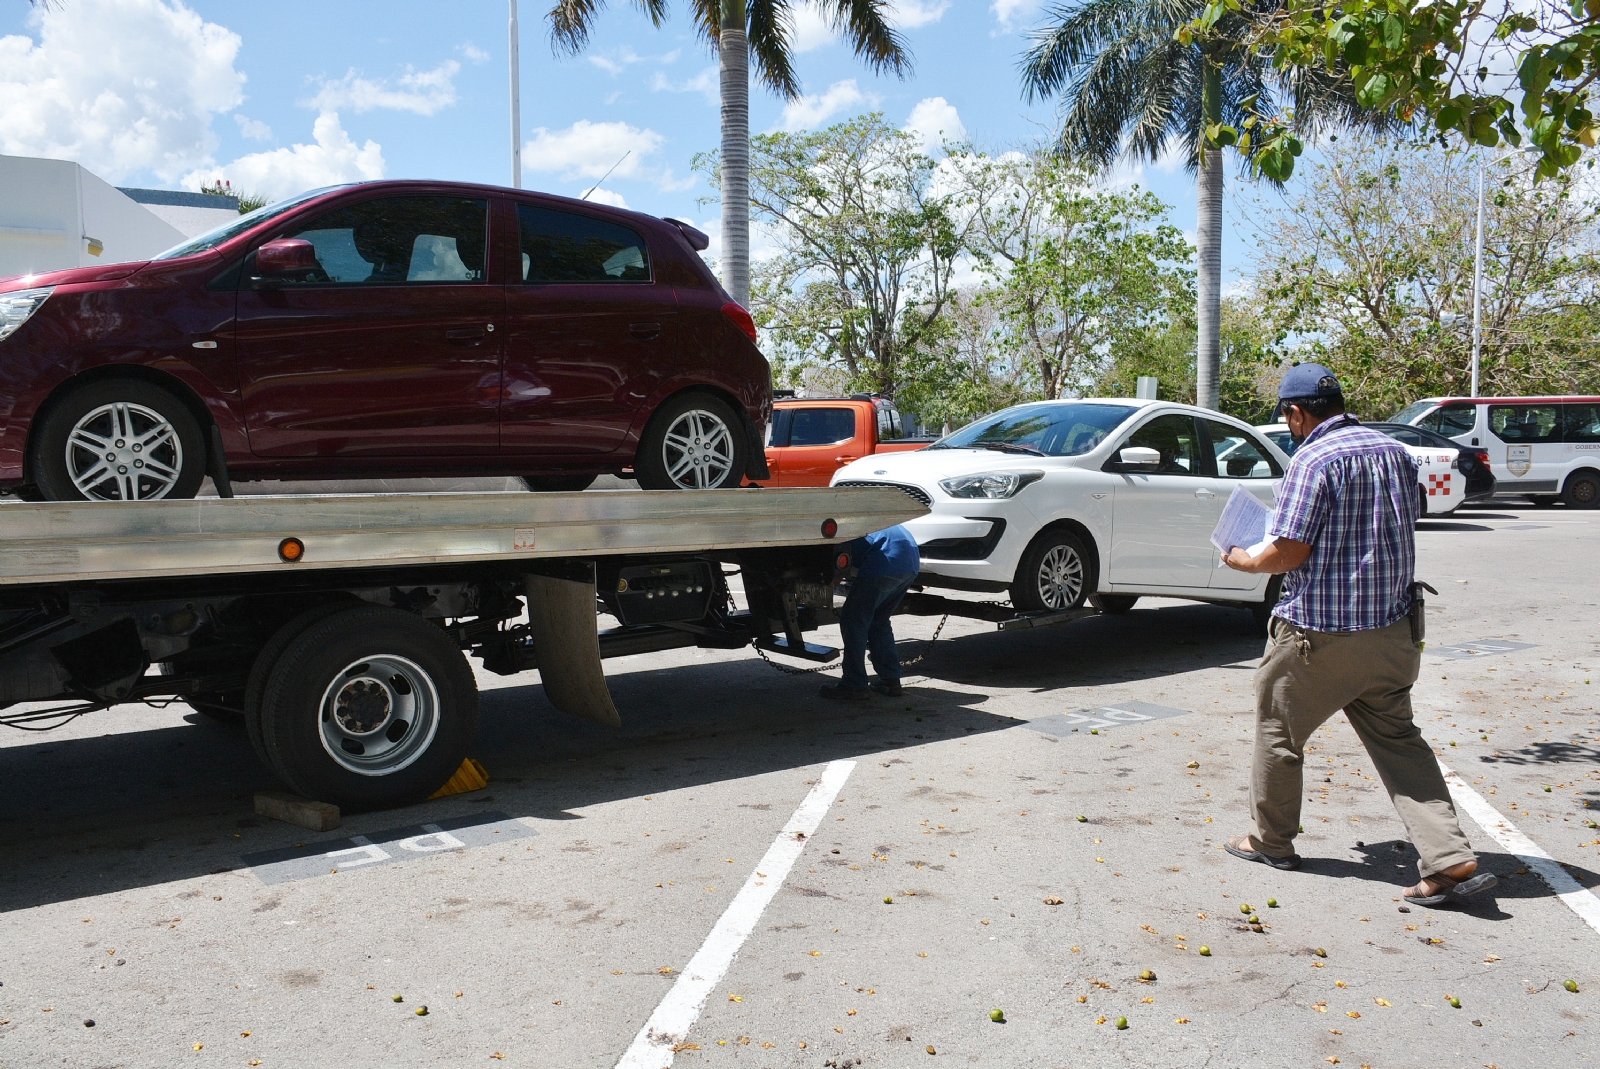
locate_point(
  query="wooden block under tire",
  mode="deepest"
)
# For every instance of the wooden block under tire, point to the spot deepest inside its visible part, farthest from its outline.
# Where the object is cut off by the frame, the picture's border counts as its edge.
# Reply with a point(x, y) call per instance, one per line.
point(293, 809)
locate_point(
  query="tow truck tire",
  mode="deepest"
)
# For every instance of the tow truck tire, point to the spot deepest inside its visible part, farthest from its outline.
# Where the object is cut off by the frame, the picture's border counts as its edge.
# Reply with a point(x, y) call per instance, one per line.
point(115, 413)
point(1114, 604)
point(368, 709)
point(693, 442)
point(256, 685)
point(1054, 575)
point(1582, 490)
point(558, 484)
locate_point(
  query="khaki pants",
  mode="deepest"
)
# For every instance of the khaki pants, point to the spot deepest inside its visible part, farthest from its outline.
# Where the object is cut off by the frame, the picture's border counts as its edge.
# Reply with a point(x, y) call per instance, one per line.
point(1307, 676)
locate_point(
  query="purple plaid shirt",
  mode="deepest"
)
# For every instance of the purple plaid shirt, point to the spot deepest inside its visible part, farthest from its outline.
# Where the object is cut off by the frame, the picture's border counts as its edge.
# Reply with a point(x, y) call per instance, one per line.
point(1351, 493)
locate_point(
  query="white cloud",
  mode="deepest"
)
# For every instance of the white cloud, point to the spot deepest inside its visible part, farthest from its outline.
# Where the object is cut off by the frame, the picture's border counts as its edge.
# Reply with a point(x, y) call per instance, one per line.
point(331, 159)
point(254, 129)
point(589, 149)
point(811, 28)
point(120, 86)
point(606, 196)
point(422, 92)
point(705, 83)
point(1011, 12)
point(473, 52)
point(910, 14)
point(811, 111)
point(935, 121)
point(616, 62)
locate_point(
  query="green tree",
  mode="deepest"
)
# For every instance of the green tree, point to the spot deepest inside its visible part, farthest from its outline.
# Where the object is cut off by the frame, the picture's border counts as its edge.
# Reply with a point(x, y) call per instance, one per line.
point(746, 31)
point(1437, 65)
point(868, 244)
point(1072, 268)
point(1373, 263)
point(1135, 81)
point(248, 202)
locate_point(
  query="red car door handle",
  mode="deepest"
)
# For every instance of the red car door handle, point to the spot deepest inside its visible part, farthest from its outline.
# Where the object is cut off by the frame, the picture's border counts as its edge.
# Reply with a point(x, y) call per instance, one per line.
point(645, 331)
point(468, 335)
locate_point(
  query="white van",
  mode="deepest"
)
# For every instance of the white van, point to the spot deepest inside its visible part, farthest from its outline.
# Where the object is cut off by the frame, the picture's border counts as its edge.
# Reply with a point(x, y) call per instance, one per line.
point(1539, 447)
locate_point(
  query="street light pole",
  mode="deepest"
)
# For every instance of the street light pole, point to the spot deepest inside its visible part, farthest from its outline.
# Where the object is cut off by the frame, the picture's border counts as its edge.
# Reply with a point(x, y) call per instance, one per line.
point(516, 104)
point(1477, 287)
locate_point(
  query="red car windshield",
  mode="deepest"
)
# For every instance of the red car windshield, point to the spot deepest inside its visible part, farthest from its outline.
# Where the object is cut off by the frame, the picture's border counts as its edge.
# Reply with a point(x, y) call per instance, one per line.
point(232, 229)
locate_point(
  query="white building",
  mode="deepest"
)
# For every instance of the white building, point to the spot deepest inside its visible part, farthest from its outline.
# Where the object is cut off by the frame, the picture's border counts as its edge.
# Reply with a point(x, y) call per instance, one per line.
point(55, 215)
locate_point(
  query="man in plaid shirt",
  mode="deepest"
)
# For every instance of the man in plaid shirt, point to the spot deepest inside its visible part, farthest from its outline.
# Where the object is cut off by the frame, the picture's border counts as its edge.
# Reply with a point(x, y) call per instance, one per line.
point(1343, 536)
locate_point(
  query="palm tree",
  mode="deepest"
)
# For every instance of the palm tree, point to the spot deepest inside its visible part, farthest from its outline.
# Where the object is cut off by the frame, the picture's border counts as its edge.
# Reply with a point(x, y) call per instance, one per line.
point(1129, 87)
point(746, 31)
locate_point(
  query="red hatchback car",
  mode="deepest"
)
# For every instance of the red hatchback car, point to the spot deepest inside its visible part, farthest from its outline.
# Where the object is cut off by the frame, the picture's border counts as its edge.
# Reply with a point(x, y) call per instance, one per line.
point(385, 329)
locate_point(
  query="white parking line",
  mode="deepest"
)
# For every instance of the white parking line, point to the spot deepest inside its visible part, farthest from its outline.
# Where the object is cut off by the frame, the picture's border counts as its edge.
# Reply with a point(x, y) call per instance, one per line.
point(1569, 890)
point(671, 1021)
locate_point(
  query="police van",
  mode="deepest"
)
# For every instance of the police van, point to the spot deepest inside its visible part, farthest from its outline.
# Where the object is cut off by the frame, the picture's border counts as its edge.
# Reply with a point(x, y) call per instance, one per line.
point(1542, 448)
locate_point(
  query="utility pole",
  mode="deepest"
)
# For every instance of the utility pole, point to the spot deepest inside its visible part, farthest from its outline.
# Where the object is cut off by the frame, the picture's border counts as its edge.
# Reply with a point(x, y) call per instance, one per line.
point(1477, 288)
point(516, 101)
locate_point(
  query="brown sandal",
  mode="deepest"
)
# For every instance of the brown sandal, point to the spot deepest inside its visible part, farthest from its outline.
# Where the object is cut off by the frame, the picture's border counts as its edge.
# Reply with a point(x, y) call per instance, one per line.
point(1450, 886)
point(1235, 846)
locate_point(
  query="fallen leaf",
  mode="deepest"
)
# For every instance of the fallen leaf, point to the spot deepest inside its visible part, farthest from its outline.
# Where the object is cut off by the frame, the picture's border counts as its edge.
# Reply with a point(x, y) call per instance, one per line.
point(243, 1034)
point(199, 1046)
point(1338, 983)
point(849, 1013)
point(1181, 1020)
point(1331, 1060)
point(735, 998)
point(1352, 1013)
point(1052, 901)
point(931, 1050)
point(1147, 1000)
point(1411, 927)
point(1381, 1002)
point(1099, 1020)
point(497, 1056)
point(1083, 998)
point(1149, 929)
point(816, 953)
point(1320, 1007)
point(839, 1030)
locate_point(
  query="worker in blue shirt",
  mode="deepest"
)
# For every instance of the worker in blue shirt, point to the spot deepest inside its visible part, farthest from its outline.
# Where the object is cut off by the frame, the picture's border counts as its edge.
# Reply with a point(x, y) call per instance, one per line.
point(888, 562)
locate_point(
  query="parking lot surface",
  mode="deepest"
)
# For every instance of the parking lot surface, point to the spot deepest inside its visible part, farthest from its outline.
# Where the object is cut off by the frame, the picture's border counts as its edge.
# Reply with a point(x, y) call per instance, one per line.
point(1031, 829)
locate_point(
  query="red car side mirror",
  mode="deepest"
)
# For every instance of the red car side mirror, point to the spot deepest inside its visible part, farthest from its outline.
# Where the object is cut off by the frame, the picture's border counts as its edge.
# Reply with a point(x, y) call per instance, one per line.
point(286, 256)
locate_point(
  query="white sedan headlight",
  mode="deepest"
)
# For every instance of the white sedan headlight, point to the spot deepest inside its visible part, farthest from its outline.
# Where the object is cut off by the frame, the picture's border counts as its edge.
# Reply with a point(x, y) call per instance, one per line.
point(17, 306)
point(990, 484)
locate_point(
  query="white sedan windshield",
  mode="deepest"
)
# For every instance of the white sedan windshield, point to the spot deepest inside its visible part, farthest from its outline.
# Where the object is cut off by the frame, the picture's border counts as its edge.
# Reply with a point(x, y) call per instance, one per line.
point(1051, 429)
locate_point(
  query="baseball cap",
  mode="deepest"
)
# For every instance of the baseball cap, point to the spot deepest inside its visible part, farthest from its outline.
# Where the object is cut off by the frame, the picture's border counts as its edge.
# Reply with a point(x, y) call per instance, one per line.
point(1306, 380)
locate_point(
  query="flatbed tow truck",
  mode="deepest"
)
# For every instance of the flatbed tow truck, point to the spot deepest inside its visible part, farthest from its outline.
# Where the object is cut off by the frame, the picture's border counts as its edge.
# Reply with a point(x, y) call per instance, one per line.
point(337, 627)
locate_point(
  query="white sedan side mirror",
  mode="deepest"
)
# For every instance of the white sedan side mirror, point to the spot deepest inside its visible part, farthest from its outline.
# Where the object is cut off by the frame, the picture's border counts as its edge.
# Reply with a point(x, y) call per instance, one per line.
point(1139, 458)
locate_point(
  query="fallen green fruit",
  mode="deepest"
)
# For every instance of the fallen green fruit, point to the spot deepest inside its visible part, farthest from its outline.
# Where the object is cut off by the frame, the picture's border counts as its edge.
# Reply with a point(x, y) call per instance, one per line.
point(1094, 731)
point(1122, 1022)
point(422, 1011)
point(1547, 790)
point(1254, 919)
point(1321, 953)
point(1455, 1002)
point(1147, 975)
point(1205, 951)
point(1272, 903)
point(887, 900)
point(1571, 985)
point(997, 1015)
point(1246, 908)
point(399, 998)
point(1082, 819)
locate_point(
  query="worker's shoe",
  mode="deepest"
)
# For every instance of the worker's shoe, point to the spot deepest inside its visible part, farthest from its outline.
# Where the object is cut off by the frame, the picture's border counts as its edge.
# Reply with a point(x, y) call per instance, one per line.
point(838, 692)
point(889, 688)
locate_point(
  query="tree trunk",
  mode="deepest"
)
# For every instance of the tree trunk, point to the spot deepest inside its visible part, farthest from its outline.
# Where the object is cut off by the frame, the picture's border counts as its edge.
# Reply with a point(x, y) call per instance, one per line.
point(734, 54)
point(1208, 348)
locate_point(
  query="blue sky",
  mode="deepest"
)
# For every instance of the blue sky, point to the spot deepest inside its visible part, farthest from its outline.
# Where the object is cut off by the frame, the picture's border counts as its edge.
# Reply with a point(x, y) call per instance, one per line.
point(287, 95)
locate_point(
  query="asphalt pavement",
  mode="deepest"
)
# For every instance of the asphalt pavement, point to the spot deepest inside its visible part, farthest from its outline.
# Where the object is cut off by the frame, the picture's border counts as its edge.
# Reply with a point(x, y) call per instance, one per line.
point(746, 875)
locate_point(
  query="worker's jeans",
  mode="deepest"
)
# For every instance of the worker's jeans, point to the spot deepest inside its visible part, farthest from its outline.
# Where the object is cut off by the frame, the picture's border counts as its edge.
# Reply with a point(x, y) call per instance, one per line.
point(864, 625)
point(1306, 677)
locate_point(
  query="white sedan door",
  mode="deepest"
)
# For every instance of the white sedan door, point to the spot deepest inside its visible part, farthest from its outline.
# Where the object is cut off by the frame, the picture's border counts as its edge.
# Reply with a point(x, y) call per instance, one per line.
point(1241, 460)
point(1162, 520)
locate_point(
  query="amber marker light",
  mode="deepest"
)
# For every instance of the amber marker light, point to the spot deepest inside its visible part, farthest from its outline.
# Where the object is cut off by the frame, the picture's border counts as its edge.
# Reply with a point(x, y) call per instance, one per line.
point(291, 550)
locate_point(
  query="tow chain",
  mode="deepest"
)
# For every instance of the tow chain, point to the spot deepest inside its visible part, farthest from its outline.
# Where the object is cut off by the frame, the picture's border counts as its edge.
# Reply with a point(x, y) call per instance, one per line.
point(786, 670)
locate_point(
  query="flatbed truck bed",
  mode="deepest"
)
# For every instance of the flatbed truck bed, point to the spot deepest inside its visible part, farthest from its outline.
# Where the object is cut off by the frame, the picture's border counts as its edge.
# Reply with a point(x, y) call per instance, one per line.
point(337, 627)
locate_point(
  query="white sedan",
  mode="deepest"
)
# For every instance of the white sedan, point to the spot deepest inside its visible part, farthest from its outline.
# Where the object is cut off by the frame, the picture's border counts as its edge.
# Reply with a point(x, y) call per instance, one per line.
point(1105, 500)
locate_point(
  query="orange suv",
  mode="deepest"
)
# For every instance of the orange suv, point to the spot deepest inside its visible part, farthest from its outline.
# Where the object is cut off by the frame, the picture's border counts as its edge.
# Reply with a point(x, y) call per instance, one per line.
point(814, 437)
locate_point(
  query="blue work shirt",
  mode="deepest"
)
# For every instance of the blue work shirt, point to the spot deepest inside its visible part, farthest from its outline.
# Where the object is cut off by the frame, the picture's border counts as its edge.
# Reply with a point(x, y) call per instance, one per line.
point(1351, 494)
point(891, 551)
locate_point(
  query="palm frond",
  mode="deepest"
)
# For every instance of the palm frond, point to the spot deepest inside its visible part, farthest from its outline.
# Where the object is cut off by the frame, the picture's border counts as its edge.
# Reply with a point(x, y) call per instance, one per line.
point(771, 47)
point(572, 20)
point(864, 24)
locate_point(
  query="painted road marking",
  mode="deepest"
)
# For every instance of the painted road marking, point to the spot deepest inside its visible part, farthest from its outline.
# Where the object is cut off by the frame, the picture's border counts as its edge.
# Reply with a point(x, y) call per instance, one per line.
point(1578, 898)
point(1099, 719)
point(1462, 651)
point(383, 847)
point(672, 1020)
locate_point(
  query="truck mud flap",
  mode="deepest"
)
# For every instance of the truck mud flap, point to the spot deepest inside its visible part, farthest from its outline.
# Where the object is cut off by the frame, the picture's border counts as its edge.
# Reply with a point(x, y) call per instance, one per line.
point(561, 621)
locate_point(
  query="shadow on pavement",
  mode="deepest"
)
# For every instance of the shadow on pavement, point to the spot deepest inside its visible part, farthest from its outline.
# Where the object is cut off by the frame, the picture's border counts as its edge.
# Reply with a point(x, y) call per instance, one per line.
point(1394, 863)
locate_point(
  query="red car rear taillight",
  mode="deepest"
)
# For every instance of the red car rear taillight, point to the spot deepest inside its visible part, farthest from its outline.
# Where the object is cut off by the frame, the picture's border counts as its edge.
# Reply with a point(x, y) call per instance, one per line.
point(741, 319)
point(1483, 458)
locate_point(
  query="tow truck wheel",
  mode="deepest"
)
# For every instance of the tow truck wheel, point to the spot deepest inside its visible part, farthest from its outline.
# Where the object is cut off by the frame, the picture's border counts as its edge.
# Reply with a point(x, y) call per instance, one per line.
point(693, 442)
point(369, 708)
point(1054, 574)
point(118, 440)
point(1114, 604)
point(265, 660)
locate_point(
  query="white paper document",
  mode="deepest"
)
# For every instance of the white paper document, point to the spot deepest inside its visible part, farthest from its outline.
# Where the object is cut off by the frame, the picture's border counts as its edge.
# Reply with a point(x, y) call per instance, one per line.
point(1243, 523)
